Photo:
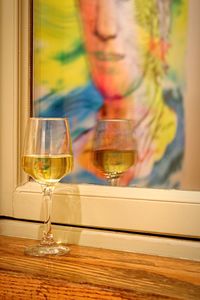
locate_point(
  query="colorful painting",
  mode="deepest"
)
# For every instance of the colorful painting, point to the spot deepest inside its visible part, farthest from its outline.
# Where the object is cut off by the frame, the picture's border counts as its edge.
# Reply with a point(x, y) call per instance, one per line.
point(98, 59)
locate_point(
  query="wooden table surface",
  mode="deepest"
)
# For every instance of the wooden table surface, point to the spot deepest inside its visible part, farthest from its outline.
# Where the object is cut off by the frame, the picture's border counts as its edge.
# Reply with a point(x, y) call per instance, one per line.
point(91, 273)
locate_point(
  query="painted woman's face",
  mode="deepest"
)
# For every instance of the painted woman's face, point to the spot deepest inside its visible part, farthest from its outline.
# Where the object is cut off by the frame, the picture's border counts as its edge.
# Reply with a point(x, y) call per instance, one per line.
point(111, 42)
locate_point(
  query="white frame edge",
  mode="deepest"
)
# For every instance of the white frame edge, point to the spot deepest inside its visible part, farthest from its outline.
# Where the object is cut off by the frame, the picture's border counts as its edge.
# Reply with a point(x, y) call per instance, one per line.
point(137, 243)
point(137, 210)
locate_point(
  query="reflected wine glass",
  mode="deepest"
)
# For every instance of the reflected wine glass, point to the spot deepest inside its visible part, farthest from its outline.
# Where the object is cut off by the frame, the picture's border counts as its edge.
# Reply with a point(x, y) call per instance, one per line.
point(47, 157)
point(114, 150)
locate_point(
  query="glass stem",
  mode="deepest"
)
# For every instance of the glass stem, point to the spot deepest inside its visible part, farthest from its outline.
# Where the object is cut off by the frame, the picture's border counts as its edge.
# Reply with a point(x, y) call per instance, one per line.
point(47, 238)
point(113, 181)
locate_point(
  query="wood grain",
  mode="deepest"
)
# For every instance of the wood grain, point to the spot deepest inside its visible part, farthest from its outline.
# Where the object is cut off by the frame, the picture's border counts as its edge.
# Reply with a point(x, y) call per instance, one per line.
point(90, 273)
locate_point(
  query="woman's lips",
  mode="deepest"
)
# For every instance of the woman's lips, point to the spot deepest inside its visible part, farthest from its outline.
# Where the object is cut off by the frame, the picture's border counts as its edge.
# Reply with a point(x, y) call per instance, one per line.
point(108, 56)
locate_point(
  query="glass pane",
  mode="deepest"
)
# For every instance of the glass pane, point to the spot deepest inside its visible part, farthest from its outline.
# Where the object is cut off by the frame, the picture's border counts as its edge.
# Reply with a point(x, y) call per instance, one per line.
point(115, 59)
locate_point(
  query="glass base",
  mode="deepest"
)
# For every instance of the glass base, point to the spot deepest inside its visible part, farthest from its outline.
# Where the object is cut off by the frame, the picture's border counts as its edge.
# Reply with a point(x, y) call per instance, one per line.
point(42, 250)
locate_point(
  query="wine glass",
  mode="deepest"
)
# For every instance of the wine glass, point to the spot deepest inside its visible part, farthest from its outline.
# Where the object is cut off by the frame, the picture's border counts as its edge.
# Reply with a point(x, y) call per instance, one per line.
point(114, 150)
point(47, 157)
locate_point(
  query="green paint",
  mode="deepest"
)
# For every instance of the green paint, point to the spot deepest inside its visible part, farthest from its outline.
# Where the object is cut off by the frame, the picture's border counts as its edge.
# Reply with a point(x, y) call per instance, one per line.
point(69, 56)
point(176, 6)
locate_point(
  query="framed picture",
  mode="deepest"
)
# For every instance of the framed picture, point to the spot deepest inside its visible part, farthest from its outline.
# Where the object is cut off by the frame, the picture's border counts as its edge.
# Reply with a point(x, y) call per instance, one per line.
point(115, 59)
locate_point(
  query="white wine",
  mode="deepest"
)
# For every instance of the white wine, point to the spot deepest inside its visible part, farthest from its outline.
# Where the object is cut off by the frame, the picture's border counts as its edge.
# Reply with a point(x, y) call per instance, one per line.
point(47, 169)
point(114, 162)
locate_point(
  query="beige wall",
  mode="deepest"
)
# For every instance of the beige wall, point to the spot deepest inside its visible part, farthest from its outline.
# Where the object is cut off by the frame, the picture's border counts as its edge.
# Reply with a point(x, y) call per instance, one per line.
point(191, 173)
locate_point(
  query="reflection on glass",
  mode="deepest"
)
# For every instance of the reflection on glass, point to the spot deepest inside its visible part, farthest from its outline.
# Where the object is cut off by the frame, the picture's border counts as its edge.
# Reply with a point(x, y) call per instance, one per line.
point(114, 150)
